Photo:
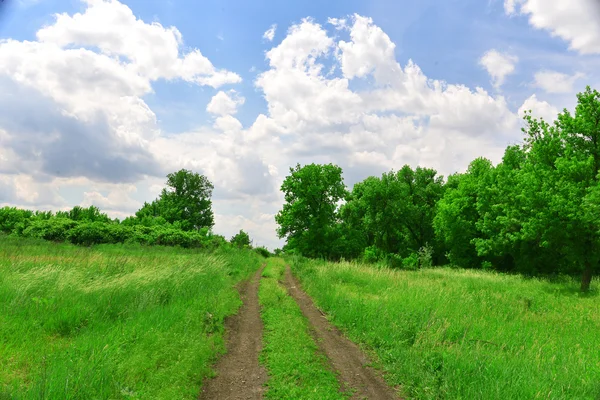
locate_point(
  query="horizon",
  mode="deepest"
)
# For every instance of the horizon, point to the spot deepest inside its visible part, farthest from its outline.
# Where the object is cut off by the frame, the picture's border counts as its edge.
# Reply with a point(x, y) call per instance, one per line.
point(241, 93)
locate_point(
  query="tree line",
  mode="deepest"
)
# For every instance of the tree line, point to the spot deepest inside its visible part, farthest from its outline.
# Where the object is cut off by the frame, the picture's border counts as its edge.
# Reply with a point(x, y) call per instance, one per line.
point(537, 212)
point(181, 216)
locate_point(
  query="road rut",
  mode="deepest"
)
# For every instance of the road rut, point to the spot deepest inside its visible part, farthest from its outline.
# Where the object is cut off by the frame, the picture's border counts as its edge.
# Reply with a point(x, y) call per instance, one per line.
point(355, 374)
point(239, 374)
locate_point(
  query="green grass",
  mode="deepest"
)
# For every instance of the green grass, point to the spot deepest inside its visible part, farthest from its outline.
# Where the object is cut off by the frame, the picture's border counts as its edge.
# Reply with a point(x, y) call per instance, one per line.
point(460, 334)
point(296, 369)
point(112, 322)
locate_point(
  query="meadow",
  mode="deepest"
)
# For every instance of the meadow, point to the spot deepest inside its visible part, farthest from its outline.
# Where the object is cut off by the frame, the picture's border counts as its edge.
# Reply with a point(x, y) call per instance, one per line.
point(443, 333)
point(113, 321)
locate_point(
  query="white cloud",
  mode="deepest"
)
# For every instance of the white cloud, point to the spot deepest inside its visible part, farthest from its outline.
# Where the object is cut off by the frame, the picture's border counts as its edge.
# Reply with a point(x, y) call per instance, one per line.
point(556, 82)
point(270, 33)
point(575, 21)
point(371, 115)
point(539, 109)
point(152, 50)
point(225, 104)
point(498, 65)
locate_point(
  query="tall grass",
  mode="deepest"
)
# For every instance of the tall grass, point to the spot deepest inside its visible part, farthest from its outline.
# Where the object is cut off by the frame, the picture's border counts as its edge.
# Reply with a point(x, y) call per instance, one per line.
point(113, 321)
point(460, 334)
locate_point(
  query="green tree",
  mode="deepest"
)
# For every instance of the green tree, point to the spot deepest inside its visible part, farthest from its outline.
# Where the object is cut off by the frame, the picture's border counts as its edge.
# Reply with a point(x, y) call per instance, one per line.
point(396, 211)
point(310, 213)
point(540, 211)
point(185, 202)
point(241, 239)
point(457, 213)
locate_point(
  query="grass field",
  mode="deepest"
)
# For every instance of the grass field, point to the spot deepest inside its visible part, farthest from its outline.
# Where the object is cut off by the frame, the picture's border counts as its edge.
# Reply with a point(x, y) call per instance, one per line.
point(296, 369)
point(112, 322)
point(460, 334)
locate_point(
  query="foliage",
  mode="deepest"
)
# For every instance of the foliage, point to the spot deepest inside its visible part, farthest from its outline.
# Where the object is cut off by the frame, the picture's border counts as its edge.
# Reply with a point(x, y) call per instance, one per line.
point(263, 251)
point(185, 202)
point(241, 239)
point(394, 214)
point(307, 220)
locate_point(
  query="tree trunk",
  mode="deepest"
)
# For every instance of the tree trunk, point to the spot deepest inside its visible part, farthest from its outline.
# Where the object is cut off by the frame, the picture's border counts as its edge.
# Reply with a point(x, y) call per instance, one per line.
point(586, 277)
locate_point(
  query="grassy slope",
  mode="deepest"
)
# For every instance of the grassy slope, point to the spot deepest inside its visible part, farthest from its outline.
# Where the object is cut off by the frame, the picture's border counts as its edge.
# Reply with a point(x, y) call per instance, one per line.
point(296, 369)
point(112, 321)
point(450, 334)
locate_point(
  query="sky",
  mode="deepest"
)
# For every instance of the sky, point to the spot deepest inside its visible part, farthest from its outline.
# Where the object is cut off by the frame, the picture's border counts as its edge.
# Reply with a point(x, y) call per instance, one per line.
point(101, 99)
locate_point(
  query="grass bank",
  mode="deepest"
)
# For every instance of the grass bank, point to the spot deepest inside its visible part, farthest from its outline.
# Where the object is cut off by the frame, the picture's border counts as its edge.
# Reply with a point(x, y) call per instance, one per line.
point(112, 321)
point(296, 368)
point(459, 334)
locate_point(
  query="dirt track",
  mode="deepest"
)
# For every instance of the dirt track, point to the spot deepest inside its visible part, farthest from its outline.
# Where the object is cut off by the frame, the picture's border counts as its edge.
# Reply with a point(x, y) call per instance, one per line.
point(240, 376)
point(355, 374)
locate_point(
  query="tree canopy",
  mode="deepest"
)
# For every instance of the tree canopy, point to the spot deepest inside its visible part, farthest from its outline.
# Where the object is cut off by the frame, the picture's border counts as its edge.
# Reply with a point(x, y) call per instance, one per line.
point(536, 212)
point(310, 213)
point(185, 202)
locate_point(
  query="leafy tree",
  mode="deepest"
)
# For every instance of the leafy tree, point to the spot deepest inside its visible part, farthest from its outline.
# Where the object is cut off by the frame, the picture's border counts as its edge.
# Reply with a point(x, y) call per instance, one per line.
point(90, 214)
point(540, 210)
point(457, 213)
point(241, 239)
point(185, 202)
point(310, 213)
point(395, 212)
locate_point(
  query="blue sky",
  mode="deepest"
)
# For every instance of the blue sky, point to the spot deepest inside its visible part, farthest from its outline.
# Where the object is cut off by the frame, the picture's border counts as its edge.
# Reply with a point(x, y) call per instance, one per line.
point(132, 102)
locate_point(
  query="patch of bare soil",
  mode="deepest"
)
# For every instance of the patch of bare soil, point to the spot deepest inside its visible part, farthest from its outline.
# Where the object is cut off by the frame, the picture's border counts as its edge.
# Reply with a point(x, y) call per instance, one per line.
point(352, 365)
point(239, 375)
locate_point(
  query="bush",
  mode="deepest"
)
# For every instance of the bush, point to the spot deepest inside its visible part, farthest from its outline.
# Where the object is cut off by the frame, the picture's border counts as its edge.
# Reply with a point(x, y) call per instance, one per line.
point(14, 220)
point(263, 251)
point(425, 256)
point(55, 229)
point(241, 239)
point(411, 262)
point(395, 261)
point(372, 254)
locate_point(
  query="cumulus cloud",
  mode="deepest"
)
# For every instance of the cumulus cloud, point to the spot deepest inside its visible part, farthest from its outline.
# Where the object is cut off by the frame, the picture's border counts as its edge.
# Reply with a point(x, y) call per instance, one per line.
point(86, 85)
point(575, 21)
point(270, 33)
point(556, 82)
point(96, 134)
point(539, 109)
point(498, 65)
point(152, 50)
point(225, 103)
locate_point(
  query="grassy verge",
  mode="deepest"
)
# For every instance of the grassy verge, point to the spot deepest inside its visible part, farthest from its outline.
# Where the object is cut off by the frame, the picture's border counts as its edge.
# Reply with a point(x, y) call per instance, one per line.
point(456, 334)
point(296, 369)
point(112, 321)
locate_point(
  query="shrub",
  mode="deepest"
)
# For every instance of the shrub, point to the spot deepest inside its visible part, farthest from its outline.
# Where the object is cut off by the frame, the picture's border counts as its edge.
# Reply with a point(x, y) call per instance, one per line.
point(55, 229)
point(425, 256)
point(372, 254)
point(411, 262)
point(241, 239)
point(14, 220)
point(263, 251)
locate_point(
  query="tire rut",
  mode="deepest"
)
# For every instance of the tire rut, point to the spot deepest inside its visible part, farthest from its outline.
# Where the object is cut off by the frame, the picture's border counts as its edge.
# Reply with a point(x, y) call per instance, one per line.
point(239, 374)
point(351, 364)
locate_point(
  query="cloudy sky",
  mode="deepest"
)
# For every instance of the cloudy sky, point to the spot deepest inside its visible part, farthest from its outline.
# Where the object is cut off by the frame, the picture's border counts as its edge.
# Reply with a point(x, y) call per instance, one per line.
point(100, 99)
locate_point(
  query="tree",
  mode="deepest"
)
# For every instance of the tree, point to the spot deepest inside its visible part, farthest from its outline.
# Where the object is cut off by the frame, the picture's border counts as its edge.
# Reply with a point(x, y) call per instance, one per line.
point(396, 211)
point(185, 202)
point(542, 208)
point(241, 239)
point(310, 213)
point(457, 213)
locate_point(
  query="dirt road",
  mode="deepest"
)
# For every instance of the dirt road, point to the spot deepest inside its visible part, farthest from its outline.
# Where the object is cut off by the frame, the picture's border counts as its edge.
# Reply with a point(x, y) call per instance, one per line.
point(240, 376)
point(355, 374)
